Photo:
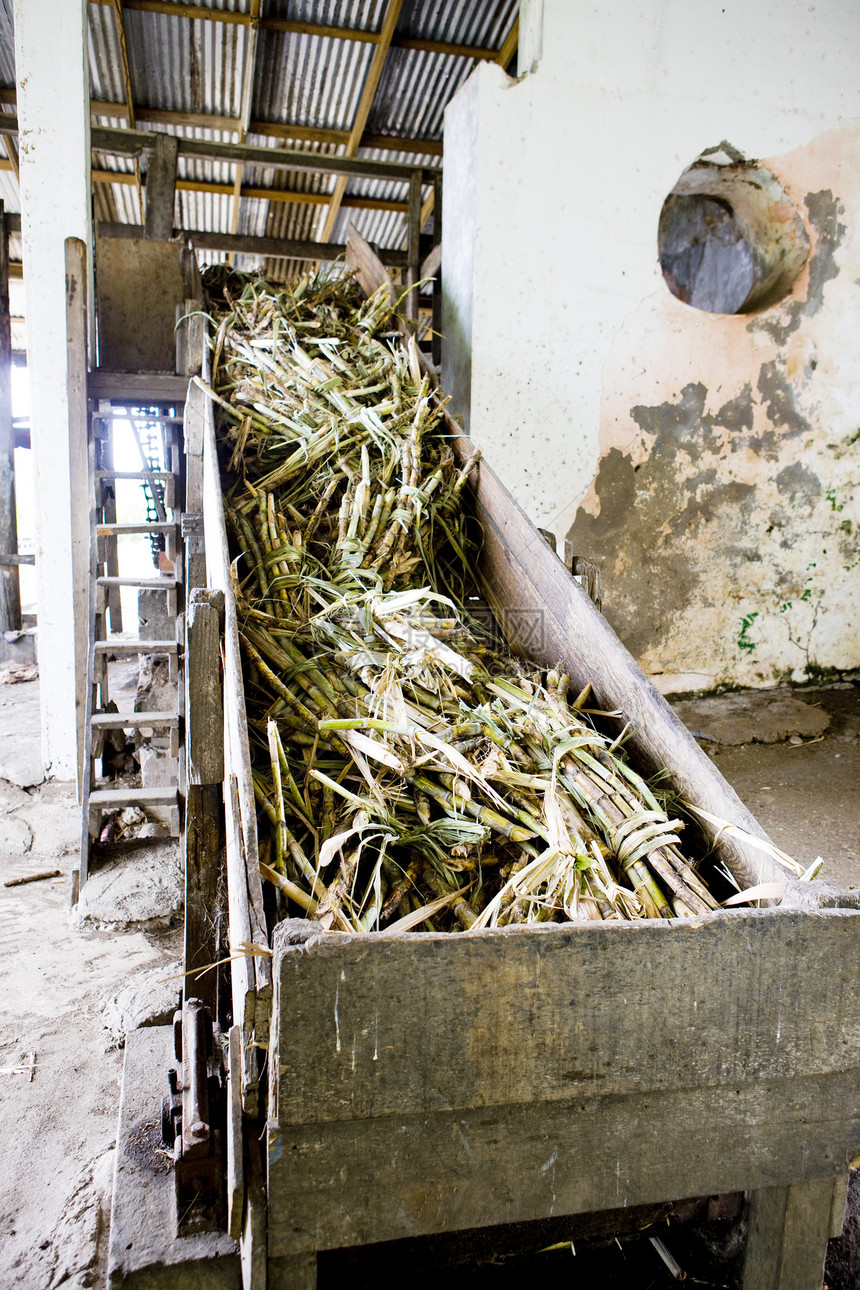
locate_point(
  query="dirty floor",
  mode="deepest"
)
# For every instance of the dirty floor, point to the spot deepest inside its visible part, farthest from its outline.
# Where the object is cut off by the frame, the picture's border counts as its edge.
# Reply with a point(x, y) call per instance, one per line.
point(62, 1010)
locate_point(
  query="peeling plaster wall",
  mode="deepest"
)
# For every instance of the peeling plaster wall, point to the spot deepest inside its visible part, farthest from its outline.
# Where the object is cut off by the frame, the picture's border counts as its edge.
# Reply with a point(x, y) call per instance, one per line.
point(726, 506)
point(708, 463)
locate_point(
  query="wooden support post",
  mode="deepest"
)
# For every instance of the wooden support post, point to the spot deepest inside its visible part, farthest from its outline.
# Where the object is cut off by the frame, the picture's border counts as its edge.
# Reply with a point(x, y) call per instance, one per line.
point(436, 341)
point(205, 893)
point(161, 188)
point(205, 902)
point(235, 1137)
point(789, 1228)
point(195, 547)
point(10, 594)
point(413, 253)
point(256, 1275)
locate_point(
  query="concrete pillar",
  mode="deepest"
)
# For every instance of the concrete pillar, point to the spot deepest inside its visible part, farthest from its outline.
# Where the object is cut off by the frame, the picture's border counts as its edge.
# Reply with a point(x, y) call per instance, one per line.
point(51, 58)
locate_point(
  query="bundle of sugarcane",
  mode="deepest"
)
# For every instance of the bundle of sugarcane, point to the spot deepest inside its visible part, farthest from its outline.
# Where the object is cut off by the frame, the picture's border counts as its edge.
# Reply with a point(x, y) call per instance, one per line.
point(412, 772)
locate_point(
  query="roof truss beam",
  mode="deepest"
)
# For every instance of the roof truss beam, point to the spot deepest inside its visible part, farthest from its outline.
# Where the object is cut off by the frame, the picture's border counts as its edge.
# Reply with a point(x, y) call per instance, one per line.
point(272, 248)
point(249, 191)
point(131, 143)
point(268, 129)
point(249, 72)
point(199, 13)
point(368, 94)
point(116, 8)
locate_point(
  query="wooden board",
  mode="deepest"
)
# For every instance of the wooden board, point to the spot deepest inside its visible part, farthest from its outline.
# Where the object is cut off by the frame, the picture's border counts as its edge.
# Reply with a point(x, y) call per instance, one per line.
point(137, 388)
point(251, 974)
point(432, 1083)
point(139, 286)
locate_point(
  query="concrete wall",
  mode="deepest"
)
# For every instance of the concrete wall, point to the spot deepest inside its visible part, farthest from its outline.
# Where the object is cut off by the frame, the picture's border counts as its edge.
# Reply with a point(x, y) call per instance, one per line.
point(708, 462)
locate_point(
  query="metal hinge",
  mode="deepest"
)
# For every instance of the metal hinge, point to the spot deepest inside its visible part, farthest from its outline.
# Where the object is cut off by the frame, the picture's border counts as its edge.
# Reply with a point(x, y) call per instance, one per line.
point(191, 1116)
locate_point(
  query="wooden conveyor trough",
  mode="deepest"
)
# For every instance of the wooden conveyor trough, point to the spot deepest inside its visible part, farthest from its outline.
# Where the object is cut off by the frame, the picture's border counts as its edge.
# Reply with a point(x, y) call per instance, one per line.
point(420, 1084)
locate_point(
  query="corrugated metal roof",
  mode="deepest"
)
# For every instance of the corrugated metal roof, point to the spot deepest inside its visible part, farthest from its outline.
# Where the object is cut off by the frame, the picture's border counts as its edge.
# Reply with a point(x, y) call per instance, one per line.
point(196, 66)
point(185, 64)
point(484, 25)
point(310, 80)
point(7, 43)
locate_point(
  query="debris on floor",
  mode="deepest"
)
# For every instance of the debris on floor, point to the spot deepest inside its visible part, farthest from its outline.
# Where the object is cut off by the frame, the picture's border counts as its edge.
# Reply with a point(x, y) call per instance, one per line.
point(143, 889)
point(148, 998)
point(753, 716)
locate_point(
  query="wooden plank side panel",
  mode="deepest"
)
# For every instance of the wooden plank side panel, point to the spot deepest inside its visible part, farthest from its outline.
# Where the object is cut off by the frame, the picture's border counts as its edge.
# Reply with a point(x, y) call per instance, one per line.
point(361, 1181)
point(204, 701)
point(788, 1232)
point(243, 860)
point(434, 1083)
point(390, 1025)
point(547, 616)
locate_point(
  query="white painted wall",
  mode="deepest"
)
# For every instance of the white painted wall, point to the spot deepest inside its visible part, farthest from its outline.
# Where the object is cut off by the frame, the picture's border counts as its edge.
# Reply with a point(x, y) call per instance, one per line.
point(571, 166)
point(558, 324)
point(54, 147)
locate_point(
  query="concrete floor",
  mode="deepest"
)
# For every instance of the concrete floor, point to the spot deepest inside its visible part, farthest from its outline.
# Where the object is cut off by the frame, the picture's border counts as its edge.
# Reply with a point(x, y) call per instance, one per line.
point(59, 1116)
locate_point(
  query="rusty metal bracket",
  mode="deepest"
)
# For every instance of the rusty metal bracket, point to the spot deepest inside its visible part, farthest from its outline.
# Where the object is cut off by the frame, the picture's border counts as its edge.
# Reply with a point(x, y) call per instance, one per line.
point(191, 1118)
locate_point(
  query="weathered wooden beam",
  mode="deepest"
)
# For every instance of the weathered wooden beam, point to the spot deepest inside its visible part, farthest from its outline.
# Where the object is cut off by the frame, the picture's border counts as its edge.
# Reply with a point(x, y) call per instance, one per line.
point(136, 386)
point(116, 6)
point(251, 974)
point(365, 103)
point(789, 1228)
point(10, 592)
point(268, 129)
point(413, 244)
point(131, 143)
point(262, 194)
point(537, 1112)
point(205, 919)
point(11, 147)
point(434, 270)
point(274, 248)
point(506, 53)
point(161, 188)
point(293, 26)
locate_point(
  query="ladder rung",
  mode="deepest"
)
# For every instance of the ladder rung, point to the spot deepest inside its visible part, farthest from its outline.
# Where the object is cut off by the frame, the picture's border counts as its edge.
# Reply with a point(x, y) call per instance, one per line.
point(122, 414)
point(122, 530)
point(135, 474)
point(121, 720)
point(136, 647)
point(163, 584)
point(114, 797)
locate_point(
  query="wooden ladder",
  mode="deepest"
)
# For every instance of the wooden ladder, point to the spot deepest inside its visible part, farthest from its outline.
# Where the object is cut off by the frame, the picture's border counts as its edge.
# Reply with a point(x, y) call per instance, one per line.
point(154, 404)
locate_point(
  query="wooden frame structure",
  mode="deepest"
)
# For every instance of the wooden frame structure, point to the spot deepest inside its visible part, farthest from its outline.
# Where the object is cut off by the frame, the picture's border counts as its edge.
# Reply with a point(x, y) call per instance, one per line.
point(132, 142)
point(424, 1084)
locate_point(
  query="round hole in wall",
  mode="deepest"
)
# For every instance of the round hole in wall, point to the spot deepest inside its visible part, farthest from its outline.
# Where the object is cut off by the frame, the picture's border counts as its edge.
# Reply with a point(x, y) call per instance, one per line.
point(730, 238)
